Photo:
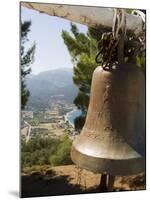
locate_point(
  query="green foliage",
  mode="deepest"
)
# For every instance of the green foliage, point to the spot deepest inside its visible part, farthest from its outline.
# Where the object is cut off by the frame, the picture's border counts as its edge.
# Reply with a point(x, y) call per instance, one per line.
point(34, 121)
point(79, 121)
point(82, 48)
point(43, 151)
point(27, 58)
point(128, 10)
point(24, 94)
point(62, 155)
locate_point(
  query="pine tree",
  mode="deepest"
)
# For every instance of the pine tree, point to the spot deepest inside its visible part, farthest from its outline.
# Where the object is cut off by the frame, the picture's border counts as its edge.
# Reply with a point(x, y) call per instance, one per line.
point(27, 58)
point(82, 48)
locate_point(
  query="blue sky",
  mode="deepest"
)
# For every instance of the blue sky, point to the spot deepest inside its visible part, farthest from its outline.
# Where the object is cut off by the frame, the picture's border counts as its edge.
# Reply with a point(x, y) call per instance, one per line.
point(51, 52)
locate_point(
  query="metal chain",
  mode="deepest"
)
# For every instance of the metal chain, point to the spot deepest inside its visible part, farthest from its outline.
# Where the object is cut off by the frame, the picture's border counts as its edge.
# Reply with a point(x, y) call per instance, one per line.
point(119, 22)
point(106, 51)
point(139, 13)
point(110, 42)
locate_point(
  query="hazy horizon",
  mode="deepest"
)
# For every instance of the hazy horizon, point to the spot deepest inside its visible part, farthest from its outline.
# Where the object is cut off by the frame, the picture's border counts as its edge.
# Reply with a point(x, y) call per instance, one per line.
point(51, 69)
point(51, 52)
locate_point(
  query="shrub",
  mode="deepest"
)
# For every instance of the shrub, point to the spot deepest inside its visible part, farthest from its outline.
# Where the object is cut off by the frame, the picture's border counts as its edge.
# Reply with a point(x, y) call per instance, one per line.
point(44, 151)
point(62, 155)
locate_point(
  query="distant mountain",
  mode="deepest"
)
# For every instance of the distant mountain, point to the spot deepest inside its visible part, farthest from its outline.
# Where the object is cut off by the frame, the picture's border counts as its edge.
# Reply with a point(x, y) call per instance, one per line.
point(50, 86)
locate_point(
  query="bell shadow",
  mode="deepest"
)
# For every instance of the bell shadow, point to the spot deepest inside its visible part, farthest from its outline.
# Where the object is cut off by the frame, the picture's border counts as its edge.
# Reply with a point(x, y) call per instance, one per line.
point(41, 185)
point(38, 184)
point(138, 181)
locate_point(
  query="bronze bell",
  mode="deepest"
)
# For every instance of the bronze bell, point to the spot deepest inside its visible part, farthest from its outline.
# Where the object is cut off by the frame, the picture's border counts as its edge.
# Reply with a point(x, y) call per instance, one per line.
point(112, 140)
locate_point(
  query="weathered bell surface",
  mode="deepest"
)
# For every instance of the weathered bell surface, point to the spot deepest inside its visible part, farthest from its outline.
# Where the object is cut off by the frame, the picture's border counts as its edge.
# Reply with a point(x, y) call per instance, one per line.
point(112, 140)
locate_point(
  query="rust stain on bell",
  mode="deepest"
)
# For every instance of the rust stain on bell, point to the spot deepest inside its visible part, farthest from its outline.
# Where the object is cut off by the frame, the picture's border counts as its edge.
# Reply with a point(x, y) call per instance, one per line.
point(112, 140)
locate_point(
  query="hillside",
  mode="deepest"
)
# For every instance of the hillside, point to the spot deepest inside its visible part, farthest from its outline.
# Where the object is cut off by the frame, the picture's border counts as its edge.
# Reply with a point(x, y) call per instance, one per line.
point(49, 86)
point(69, 179)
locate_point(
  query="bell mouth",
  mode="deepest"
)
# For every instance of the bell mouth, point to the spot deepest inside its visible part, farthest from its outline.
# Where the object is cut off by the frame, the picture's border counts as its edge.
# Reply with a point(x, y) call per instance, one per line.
point(115, 167)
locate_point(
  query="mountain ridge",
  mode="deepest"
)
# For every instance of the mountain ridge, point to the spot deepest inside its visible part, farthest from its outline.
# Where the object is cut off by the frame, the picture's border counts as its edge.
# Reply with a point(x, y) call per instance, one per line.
point(47, 84)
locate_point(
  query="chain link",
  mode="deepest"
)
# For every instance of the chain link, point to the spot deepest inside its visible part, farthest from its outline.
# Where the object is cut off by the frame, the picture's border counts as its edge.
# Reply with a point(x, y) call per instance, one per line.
point(109, 42)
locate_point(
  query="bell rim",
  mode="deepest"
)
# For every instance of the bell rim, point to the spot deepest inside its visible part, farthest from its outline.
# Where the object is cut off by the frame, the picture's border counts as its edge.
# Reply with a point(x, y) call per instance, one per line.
point(116, 167)
point(129, 151)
